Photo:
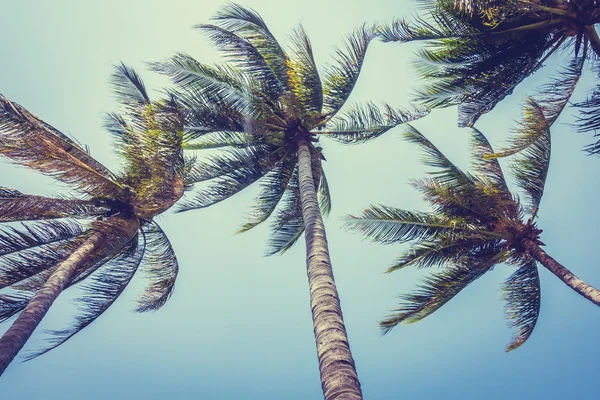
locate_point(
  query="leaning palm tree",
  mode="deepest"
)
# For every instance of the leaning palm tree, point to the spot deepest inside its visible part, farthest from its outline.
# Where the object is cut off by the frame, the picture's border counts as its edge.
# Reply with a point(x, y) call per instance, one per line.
point(478, 51)
point(102, 235)
point(261, 115)
point(476, 224)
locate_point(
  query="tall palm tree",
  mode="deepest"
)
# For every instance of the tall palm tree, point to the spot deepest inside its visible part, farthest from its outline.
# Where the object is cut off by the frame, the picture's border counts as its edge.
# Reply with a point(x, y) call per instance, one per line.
point(476, 224)
point(478, 51)
point(102, 235)
point(262, 114)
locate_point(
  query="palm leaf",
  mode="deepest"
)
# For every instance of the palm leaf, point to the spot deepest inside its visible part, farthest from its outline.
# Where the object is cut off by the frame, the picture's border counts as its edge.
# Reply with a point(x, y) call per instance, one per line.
point(16, 206)
point(436, 290)
point(160, 266)
point(391, 225)
point(303, 76)
point(523, 297)
point(29, 141)
point(339, 79)
point(530, 168)
point(103, 289)
point(360, 124)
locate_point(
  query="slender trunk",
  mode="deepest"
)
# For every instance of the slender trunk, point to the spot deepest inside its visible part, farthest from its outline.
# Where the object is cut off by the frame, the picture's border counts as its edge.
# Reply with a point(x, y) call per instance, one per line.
point(587, 291)
point(592, 35)
point(338, 373)
point(17, 335)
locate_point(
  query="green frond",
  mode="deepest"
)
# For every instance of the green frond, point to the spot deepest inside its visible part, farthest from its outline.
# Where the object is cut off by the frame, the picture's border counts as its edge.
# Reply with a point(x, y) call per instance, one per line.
point(103, 289)
point(448, 173)
point(249, 25)
point(339, 79)
point(362, 123)
point(159, 265)
point(273, 185)
point(16, 206)
point(487, 166)
point(227, 175)
point(288, 224)
point(530, 167)
point(248, 58)
point(445, 250)
point(222, 139)
point(219, 84)
point(324, 196)
point(30, 142)
point(522, 294)
point(34, 248)
point(303, 75)
point(128, 87)
point(436, 290)
point(589, 118)
point(391, 225)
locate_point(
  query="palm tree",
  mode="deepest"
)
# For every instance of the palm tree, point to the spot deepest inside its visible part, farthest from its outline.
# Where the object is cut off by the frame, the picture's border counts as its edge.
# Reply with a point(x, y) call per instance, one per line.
point(103, 235)
point(262, 115)
point(480, 50)
point(476, 224)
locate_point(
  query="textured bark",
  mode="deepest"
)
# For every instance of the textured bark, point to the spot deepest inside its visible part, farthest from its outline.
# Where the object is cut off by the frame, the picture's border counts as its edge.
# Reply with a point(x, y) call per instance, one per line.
point(338, 373)
point(587, 291)
point(99, 242)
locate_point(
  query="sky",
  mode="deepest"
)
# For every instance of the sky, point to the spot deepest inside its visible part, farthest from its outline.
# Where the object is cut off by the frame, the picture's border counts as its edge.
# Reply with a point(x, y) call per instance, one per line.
point(238, 325)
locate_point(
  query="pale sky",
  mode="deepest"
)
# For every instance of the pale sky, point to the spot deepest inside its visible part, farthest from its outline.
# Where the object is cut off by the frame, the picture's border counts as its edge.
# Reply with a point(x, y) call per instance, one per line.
point(238, 325)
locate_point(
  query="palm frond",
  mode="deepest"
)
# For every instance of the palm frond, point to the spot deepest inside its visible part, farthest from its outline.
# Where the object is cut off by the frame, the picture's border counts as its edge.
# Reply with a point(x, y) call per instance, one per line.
point(35, 247)
point(449, 173)
point(128, 87)
point(436, 290)
point(160, 266)
point(103, 289)
point(11, 305)
point(487, 166)
point(530, 168)
point(247, 58)
point(303, 75)
point(288, 224)
point(339, 79)
point(391, 225)
point(589, 118)
point(362, 123)
point(324, 196)
point(249, 25)
point(445, 250)
point(227, 175)
point(28, 141)
point(522, 294)
point(16, 206)
point(273, 186)
point(220, 83)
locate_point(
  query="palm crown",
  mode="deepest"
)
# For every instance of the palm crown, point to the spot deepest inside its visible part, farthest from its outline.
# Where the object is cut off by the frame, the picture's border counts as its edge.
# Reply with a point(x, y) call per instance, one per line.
point(476, 224)
point(258, 107)
point(122, 206)
point(479, 51)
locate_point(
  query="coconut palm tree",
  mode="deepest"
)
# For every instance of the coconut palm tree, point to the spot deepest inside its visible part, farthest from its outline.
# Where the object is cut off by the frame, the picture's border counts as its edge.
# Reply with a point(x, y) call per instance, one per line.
point(261, 114)
point(103, 234)
point(478, 51)
point(476, 224)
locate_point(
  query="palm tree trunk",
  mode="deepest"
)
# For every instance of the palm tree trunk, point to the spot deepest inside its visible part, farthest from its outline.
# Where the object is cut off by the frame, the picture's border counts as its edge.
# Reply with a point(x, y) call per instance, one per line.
point(587, 291)
point(17, 335)
point(338, 373)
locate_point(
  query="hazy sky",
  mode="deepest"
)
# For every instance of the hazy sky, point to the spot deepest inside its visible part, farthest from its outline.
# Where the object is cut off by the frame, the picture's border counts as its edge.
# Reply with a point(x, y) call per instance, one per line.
point(238, 325)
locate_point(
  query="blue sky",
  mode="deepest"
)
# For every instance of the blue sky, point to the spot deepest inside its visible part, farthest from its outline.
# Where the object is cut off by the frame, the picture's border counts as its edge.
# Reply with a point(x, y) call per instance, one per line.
point(238, 326)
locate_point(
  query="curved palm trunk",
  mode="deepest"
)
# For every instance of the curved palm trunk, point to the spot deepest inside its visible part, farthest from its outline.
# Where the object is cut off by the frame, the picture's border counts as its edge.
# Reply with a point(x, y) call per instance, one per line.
point(338, 373)
point(587, 291)
point(17, 335)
